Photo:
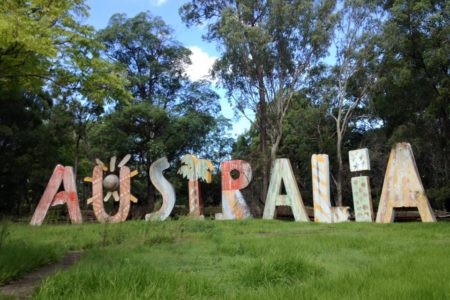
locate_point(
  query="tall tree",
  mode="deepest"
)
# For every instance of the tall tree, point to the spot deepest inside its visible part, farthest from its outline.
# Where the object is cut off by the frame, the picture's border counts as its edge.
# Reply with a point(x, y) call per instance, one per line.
point(47, 58)
point(412, 96)
point(351, 76)
point(154, 60)
point(169, 114)
point(268, 47)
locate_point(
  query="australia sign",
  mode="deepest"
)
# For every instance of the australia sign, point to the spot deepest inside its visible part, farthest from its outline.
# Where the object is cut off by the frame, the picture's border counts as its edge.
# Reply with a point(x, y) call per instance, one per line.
point(402, 187)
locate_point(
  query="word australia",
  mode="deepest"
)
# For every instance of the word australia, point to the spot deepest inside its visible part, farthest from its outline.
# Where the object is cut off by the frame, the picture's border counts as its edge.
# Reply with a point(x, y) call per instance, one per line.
point(402, 187)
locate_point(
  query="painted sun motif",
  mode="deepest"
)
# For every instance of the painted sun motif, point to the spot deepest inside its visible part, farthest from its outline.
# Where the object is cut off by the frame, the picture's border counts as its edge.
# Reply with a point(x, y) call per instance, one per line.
point(111, 182)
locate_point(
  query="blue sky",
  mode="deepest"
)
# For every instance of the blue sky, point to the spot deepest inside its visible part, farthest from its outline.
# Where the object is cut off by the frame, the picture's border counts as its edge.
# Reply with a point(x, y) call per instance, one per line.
point(203, 53)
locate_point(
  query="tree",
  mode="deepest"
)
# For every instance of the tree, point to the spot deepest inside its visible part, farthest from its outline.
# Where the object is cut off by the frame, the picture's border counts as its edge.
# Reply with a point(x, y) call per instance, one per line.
point(43, 42)
point(412, 95)
point(49, 62)
point(154, 60)
point(268, 48)
point(169, 114)
point(351, 76)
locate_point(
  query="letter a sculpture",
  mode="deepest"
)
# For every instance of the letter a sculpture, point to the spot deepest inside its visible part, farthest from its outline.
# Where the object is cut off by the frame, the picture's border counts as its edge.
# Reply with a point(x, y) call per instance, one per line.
point(402, 186)
point(51, 197)
point(194, 169)
point(117, 187)
point(282, 173)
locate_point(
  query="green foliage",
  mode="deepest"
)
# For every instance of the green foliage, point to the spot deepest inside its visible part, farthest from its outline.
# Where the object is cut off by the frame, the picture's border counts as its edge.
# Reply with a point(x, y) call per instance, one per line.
point(52, 82)
point(169, 115)
point(412, 96)
point(396, 56)
point(144, 46)
point(44, 42)
point(69, 94)
point(267, 49)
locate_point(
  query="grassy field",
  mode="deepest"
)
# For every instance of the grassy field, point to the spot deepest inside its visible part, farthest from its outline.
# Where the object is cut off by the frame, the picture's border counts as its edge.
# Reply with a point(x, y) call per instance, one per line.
point(235, 260)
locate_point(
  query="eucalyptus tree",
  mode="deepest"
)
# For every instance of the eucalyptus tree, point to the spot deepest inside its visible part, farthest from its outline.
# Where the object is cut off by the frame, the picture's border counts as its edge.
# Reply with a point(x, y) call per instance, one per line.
point(351, 75)
point(267, 49)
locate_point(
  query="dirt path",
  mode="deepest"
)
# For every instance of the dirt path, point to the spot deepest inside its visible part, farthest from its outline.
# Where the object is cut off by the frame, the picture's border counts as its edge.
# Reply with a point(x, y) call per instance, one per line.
point(23, 287)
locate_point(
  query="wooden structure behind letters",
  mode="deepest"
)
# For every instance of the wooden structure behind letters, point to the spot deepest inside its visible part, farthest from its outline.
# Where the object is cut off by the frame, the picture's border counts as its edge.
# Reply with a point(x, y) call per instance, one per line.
point(164, 187)
point(51, 197)
point(282, 173)
point(402, 186)
point(194, 170)
point(233, 203)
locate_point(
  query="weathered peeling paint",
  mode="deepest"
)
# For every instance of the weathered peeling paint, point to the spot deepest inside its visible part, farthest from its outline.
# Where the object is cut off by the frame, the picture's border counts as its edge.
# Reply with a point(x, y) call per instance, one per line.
point(97, 196)
point(195, 199)
point(52, 197)
point(195, 169)
point(359, 160)
point(403, 187)
point(340, 214)
point(234, 205)
point(321, 188)
point(362, 199)
point(164, 187)
point(282, 173)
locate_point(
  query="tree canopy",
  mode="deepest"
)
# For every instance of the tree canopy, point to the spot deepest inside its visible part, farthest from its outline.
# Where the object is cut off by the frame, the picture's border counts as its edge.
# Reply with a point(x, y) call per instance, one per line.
point(323, 76)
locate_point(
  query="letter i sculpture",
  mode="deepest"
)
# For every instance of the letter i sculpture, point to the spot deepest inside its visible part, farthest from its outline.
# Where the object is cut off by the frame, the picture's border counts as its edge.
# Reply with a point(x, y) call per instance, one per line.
point(362, 198)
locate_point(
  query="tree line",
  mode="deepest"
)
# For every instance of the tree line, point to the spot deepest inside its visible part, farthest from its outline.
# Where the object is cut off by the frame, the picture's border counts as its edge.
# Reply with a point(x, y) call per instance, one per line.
point(312, 77)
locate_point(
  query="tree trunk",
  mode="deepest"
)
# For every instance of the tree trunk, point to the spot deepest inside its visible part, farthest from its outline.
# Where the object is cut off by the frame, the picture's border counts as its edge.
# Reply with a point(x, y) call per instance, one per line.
point(274, 149)
point(263, 135)
point(340, 167)
point(75, 163)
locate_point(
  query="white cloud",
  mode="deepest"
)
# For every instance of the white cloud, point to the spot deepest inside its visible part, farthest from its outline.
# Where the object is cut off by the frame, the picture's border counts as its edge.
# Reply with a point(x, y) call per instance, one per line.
point(158, 2)
point(201, 64)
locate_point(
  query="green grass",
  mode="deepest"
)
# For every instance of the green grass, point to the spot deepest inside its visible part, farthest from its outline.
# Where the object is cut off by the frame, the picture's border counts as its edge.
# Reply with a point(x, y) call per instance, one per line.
point(236, 260)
